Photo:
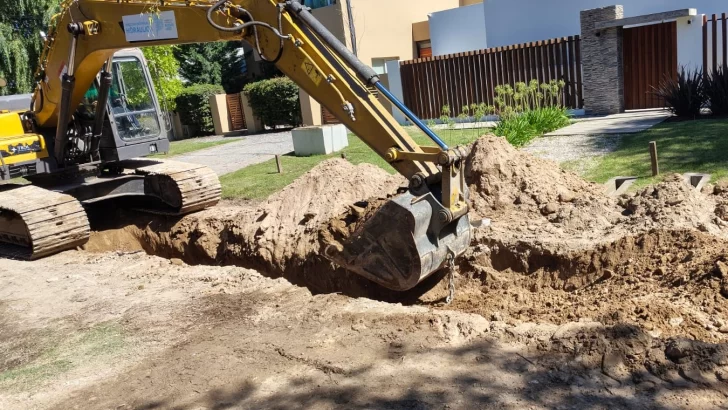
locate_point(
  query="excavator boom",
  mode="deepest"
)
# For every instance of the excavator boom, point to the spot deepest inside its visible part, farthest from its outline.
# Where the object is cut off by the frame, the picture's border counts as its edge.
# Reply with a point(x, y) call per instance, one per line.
point(408, 239)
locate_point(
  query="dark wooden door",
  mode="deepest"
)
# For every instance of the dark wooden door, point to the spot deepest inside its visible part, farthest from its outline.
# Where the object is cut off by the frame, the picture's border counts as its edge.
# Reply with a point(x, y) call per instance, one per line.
point(650, 55)
point(235, 110)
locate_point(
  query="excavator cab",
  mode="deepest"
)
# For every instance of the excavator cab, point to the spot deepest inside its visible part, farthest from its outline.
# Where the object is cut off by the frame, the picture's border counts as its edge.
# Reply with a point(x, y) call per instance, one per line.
point(135, 126)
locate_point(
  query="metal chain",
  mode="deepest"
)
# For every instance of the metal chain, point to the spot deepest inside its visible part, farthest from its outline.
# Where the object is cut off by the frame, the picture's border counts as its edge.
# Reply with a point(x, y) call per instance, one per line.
point(451, 279)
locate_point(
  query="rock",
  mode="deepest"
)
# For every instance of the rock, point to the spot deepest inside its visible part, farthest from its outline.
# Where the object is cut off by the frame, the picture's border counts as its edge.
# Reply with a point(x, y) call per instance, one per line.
point(550, 208)
point(570, 330)
point(177, 262)
point(724, 289)
point(722, 268)
point(676, 321)
point(53, 279)
point(720, 188)
point(566, 196)
point(723, 329)
point(496, 317)
point(678, 349)
point(358, 327)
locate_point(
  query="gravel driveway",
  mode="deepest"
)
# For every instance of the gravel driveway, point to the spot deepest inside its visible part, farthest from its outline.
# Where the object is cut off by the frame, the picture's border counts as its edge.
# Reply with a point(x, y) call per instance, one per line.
point(573, 147)
point(252, 149)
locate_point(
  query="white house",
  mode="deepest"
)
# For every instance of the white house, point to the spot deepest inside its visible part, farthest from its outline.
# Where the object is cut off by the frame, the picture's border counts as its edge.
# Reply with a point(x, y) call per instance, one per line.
point(508, 22)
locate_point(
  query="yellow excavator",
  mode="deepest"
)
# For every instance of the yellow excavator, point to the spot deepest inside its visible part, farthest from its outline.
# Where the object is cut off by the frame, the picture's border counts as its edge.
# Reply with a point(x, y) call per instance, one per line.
point(93, 117)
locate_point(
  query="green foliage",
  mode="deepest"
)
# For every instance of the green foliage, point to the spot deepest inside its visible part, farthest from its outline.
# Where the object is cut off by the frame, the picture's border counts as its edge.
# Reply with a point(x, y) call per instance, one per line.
point(164, 68)
point(684, 95)
point(193, 105)
point(275, 101)
point(200, 62)
point(716, 91)
point(530, 110)
point(21, 22)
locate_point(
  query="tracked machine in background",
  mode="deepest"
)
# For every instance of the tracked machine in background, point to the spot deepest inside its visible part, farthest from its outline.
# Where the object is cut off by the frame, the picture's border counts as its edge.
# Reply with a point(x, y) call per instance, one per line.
point(93, 112)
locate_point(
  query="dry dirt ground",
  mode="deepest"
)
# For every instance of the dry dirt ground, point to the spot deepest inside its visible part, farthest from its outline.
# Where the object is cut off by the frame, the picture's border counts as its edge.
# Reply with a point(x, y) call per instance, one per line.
point(570, 299)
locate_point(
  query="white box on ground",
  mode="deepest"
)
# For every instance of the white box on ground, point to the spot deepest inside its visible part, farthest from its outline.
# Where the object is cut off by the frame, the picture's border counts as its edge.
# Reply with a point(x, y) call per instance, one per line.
point(320, 140)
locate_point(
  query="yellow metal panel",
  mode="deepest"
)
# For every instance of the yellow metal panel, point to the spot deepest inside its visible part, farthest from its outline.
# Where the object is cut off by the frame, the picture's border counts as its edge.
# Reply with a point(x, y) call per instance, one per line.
point(25, 148)
point(10, 125)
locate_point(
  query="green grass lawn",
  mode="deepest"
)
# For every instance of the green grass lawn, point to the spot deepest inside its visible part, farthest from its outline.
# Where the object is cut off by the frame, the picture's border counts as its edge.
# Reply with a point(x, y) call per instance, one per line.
point(690, 146)
point(192, 144)
point(260, 180)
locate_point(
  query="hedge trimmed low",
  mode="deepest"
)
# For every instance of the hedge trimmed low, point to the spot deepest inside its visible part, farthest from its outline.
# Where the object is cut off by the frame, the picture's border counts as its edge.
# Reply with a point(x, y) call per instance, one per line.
point(275, 101)
point(193, 106)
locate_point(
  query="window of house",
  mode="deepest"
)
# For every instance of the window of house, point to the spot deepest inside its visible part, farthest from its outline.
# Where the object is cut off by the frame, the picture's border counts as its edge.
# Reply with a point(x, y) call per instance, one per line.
point(424, 49)
point(380, 64)
point(314, 4)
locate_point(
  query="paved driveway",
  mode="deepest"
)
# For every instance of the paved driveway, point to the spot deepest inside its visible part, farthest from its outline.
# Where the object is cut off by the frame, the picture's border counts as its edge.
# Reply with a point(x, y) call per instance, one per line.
point(250, 150)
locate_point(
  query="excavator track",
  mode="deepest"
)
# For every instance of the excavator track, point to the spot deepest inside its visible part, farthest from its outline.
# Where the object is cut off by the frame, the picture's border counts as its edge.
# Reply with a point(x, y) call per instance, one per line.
point(35, 222)
point(185, 187)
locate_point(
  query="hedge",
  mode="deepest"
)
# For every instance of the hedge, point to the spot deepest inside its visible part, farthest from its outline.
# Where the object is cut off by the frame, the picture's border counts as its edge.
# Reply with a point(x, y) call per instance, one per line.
point(193, 106)
point(275, 101)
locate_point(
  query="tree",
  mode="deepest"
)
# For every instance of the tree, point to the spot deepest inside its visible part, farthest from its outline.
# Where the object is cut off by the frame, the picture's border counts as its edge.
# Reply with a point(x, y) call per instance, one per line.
point(165, 73)
point(200, 63)
point(233, 67)
point(21, 22)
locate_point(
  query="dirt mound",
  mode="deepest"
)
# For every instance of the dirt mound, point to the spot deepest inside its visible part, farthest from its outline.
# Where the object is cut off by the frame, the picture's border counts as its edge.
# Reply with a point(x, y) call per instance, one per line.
point(558, 250)
point(280, 236)
point(672, 203)
point(534, 198)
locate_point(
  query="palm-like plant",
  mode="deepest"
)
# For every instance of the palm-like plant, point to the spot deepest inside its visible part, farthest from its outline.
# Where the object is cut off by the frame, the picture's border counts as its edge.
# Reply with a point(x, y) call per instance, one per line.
point(684, 95)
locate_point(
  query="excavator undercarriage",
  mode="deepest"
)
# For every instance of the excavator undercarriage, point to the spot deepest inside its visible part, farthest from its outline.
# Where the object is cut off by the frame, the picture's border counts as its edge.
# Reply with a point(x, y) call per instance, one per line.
point(36, 222)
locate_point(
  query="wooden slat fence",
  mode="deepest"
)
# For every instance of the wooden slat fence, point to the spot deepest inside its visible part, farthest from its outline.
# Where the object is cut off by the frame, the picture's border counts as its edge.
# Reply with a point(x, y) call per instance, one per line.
point(715, 42)
point(471, 78)
point(235, 111)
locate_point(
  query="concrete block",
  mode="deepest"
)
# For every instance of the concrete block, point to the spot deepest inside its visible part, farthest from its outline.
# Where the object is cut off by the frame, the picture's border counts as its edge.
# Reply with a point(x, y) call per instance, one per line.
point(320, 140)
point(618, 185)
point(696, 180)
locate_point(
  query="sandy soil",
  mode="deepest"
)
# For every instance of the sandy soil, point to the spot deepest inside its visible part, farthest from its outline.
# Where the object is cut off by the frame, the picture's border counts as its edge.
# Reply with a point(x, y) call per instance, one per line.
point(571, 299)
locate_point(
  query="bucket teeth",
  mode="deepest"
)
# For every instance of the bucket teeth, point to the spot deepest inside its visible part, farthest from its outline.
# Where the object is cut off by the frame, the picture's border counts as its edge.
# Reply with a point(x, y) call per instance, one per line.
point(35, 223)
point(396, 247)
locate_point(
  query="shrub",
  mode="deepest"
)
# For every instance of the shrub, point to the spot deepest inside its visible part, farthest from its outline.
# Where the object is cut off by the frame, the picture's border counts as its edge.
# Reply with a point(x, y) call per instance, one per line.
point(193, 105)
point(716, 91)
point(530, 110)
point(275, 101)
point(685, 95)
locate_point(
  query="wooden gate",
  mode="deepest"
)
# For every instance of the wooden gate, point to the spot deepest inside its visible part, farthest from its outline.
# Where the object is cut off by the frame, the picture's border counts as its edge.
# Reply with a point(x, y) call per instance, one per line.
point(650, 55)
point(235, 111)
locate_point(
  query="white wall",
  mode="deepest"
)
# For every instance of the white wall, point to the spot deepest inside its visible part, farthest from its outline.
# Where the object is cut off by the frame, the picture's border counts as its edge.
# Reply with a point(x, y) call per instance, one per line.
point(458, 30)
point(690, 42)
point(395, 87)
point(519, 21)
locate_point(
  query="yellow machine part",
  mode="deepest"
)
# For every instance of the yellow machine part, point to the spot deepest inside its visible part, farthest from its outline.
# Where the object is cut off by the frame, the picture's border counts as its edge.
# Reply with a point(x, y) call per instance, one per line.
point(10, 124)
point(15, 145)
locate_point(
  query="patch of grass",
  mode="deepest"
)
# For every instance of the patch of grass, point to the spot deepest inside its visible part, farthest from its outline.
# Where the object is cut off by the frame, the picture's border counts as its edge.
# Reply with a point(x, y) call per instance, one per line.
point(690, 146)
point(261, 180)
point(61, 354)
point(191, 145)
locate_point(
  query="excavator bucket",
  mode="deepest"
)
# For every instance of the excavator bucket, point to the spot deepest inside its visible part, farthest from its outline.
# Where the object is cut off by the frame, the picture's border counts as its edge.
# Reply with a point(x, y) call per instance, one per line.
point(402, 243)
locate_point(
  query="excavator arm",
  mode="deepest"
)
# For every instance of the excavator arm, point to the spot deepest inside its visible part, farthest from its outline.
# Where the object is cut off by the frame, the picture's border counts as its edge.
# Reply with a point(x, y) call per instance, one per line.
point(408, 239)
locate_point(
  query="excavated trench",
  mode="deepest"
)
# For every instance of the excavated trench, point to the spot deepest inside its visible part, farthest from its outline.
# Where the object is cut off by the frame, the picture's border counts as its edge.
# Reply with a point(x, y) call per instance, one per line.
point(558, 250)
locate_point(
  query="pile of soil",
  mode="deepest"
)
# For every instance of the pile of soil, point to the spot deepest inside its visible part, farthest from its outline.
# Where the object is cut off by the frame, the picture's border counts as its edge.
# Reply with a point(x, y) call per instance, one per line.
point(558, 250)
point(280, 236)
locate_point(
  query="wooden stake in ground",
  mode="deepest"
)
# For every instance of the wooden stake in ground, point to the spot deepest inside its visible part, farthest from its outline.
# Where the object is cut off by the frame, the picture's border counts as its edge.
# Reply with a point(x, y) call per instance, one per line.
point(653, 158)
point(278, 164)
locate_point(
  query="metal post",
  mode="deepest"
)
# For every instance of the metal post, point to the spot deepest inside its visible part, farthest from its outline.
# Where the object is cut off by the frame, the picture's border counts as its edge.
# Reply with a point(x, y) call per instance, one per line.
point(653, 158)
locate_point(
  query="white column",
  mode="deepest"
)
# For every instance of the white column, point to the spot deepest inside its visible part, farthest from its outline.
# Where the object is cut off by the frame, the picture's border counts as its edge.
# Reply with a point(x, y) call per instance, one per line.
point(395, 87)
point(690, 42)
